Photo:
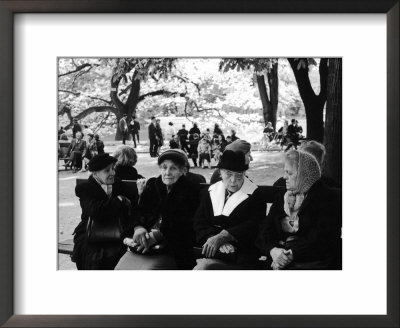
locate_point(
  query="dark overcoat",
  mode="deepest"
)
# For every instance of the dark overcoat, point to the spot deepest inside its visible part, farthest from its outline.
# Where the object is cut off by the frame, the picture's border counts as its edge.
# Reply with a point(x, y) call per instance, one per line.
point(240, 216)
point(173, 213)
point(99, 207)
point(318, 239)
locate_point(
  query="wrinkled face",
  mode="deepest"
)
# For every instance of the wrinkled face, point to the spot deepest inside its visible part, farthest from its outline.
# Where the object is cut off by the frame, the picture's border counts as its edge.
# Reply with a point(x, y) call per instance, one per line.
point(106, 175)
point(290, 175)
point(170, 172)
point(232, 181)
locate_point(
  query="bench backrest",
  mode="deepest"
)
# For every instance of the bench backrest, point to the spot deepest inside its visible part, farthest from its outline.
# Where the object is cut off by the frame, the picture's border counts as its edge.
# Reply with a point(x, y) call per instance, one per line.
point(269, 192)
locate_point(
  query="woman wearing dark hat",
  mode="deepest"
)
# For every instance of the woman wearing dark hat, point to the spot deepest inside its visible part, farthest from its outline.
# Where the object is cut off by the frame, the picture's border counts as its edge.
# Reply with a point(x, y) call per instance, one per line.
point(166, 209)
point(238, 145)
point(303, 228)
point(227, 221)
point(107, 217)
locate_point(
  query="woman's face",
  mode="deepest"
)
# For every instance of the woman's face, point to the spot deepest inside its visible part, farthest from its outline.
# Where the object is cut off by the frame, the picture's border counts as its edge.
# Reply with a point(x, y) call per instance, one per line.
point(107, 174)
point(290, 175)
point(232, 181)
point(170, 172)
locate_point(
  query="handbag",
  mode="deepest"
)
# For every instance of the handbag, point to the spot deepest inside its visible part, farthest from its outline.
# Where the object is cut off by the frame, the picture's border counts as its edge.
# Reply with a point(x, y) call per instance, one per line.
point(104, 231)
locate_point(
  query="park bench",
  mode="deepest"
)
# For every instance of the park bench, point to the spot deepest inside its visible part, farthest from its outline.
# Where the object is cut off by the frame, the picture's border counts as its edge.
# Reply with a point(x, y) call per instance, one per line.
point(63, 150)
point(269, 192)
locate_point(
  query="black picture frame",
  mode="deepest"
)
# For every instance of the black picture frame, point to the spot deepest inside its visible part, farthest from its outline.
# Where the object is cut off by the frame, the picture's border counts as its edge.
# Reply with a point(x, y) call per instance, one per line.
point(11, 7)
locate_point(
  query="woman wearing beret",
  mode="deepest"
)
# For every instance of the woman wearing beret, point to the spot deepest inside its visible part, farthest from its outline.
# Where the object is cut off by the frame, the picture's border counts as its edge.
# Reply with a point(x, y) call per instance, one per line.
point(166, 209)
point(303, 228)
point(107, 217)
point(227, 221)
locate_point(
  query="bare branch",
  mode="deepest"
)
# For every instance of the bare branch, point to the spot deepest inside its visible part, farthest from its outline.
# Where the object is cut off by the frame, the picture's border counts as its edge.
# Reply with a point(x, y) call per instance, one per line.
point(109, 102)
point(100, 125)
point(71, 92)
point(90, 110)
point(78, 68)
point(186, 80)
point(164, 93)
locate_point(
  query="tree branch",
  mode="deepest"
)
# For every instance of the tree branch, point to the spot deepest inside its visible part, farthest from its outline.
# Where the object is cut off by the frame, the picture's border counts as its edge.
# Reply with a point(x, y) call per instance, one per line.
point(186, 80)
point(109, 102)
point(164, 93)
point(67, 91)
point(90, 110)
point(78, 68)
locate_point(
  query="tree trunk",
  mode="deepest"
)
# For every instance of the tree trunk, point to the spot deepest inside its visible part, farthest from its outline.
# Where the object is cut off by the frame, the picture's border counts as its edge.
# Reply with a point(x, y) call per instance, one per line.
point(270, 107)
point(333, 122)
point(313, 104)
point(273, 83)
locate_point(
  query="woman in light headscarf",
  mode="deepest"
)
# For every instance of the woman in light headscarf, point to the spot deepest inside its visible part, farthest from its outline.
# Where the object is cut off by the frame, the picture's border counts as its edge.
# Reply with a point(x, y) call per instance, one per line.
point(303, 228)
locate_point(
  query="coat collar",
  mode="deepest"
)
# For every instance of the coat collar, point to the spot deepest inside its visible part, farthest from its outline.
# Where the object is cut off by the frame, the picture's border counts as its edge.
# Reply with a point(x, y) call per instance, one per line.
point(217, 195)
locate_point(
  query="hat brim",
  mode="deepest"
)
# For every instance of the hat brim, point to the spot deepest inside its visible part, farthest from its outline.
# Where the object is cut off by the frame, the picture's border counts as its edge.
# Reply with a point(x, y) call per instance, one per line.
point(233, 167)
point(175, 157)
point(107, 161)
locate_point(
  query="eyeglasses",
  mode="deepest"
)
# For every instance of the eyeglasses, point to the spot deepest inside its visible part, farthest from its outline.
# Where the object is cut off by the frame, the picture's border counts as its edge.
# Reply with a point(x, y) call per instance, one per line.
point(230, 174)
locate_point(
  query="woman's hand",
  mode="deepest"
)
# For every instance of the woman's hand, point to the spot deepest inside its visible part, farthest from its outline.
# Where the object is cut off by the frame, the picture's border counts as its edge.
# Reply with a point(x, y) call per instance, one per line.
point(227, 248)
point(215, 242)
point(141, 184)
point(151, 241)
point(280, 258)
point(141, 236)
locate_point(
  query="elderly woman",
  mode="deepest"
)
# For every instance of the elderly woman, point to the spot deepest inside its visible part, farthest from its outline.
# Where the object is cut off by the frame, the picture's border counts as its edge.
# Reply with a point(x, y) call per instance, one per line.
point(75, 152)
point(238, 145)
point(166, 209)
point(227, 221)
point(126, 159)
point(303, 228)
point(107, 217)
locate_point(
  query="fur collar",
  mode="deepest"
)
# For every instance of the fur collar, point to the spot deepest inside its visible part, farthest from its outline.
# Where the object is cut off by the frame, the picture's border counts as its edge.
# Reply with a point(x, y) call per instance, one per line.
point(217, 195)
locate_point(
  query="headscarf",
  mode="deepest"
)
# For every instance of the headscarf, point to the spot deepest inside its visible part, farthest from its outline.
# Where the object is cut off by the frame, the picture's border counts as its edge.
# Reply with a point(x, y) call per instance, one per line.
point(308, 172)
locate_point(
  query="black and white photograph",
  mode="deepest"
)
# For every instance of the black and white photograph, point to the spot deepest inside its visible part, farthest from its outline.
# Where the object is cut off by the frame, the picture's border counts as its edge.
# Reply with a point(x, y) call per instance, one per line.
point(199, 163)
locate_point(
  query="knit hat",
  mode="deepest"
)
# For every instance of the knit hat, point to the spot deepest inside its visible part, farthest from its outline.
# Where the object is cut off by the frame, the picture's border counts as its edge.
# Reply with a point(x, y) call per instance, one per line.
point(308, 171)
point(233, 161)
point(99, 162)
point(239, 145)
point(178, 156)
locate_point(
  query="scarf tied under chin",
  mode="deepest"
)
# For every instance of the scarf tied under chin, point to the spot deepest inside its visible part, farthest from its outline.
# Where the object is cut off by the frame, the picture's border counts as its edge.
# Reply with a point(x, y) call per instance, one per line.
point(308, 172)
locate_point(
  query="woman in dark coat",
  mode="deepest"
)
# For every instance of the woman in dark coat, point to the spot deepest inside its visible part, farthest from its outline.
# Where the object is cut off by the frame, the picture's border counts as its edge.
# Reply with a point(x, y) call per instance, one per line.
point(126, 159)
point(303, 228)
point(106, 201)
point(227, 221)
point(166, 209)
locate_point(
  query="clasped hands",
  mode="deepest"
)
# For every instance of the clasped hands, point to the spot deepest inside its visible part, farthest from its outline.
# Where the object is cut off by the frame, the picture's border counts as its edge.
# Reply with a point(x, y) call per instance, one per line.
point(280, 258)
point(144, 239)
point(221, 242)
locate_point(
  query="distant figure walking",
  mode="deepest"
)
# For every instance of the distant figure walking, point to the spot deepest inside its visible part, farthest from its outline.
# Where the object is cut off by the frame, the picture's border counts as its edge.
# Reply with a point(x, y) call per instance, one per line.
point(183, 136)
point(153, 137)
point(134, 128)
point(123, 127)
point(160, 134)
point(99, 144)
